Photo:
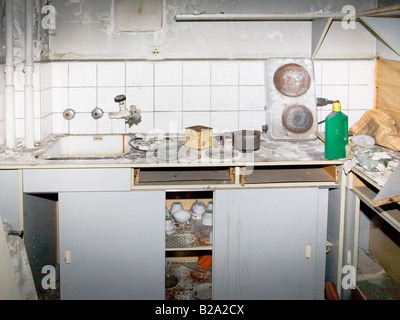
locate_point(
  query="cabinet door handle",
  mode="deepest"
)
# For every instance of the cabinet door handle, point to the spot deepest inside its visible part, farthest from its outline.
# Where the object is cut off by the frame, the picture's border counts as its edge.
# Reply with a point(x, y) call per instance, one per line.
point(67, 256)
point(308, 251)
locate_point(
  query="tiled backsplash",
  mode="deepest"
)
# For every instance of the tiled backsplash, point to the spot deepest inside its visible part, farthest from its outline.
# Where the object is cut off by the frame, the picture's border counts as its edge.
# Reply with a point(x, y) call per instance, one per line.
point(172, 95)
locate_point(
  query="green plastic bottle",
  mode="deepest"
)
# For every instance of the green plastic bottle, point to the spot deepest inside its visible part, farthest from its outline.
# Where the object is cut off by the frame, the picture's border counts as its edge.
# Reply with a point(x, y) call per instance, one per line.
point(336, 133)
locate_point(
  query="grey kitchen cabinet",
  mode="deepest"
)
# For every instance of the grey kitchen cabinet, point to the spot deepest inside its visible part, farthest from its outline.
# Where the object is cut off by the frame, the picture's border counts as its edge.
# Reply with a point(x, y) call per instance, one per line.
point(269, 243)
point(112, 245)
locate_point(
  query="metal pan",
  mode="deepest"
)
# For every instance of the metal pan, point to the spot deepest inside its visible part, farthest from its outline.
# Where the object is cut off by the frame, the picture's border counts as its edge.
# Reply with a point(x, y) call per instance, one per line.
point(246, 140)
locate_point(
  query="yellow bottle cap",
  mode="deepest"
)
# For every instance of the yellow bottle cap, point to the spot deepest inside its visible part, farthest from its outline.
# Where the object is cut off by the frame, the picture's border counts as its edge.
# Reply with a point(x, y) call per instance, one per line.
point(336, 106)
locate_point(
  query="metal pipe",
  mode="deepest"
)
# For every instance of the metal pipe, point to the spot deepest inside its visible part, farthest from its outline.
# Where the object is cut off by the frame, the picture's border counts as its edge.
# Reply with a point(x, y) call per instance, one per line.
point(29, 90)
point(9, 77)
point(256, 17)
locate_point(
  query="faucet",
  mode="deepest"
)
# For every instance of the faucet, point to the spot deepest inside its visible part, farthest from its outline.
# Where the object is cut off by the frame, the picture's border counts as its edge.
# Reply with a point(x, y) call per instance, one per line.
point(131, 116)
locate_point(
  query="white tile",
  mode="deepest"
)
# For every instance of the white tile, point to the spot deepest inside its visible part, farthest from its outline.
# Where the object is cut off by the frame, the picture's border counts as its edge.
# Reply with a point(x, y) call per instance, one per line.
point(196, 98)
point(60, 125)
point(362, 72)
point(46, 76)
point(37, 104)
point(318, 91)
point(118, 126)
point(196, 73)
point(139, 74)
point(38, 129)
point(105, 98)
point(59, 74)
point(59, 99)
point(46, 105)
point(224, 73)
point(224, 98)
point(196, 118)
point(168, 74)
point(141, 97)
point(253, 120)
point(82, 123)
point(82, 99)
point(361, 97)
point(46, 127)
point(335, 73)
point(168, 99)
point(251, 97)
point(82, 74)
point(110, 74)
point(318, 72)
point(251, 73)
point(224, 121)
point(168, 122)
point(336, 93)
point(145, 126)
point(104, 125)
point(354, 116)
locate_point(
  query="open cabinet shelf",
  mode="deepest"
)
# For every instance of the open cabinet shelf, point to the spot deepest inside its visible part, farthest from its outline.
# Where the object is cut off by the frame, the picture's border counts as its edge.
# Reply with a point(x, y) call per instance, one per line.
point(188, 251)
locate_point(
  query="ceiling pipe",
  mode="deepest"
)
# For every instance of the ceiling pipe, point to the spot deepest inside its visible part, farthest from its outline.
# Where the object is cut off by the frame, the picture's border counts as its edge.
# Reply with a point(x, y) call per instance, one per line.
point(9, 77)
point(28, 89)
point(186, 17)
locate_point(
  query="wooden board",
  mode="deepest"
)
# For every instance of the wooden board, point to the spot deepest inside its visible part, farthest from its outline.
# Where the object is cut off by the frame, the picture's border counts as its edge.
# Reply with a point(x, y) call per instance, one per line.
point(390, 191)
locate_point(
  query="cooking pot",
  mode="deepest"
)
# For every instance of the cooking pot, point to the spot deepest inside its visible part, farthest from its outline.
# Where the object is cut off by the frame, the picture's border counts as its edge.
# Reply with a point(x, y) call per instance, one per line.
point(246, 140)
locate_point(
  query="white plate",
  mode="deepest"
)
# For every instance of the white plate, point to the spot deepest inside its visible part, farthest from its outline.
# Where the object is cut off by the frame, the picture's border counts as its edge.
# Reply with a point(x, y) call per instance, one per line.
point(169, 151)
point(221, 153)
point(202, 292)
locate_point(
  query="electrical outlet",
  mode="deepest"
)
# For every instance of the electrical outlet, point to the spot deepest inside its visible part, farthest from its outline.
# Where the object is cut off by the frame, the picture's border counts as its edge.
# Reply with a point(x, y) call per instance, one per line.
point(155, 52)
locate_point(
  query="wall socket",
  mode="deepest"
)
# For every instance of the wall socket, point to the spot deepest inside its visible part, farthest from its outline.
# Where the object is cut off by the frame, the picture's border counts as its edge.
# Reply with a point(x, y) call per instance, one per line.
point(155, 52)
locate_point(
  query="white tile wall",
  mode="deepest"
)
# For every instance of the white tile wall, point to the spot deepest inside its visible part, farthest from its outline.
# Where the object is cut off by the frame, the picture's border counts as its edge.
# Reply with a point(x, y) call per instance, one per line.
point(172, 95)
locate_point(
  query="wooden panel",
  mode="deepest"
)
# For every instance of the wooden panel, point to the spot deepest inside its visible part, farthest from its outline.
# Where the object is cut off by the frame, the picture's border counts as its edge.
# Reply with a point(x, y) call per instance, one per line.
point(385, 246)
point(179, 176)
point(291, 174)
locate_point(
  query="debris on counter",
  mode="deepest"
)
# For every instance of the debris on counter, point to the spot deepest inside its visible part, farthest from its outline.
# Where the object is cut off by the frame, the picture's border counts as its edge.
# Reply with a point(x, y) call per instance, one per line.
point(372, 159)
point(381, 125)
point(377, 161)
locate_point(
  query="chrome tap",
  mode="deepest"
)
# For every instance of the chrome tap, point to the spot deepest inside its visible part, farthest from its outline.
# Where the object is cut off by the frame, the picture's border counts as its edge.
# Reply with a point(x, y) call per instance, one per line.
point(131, 116)
point(134, 116)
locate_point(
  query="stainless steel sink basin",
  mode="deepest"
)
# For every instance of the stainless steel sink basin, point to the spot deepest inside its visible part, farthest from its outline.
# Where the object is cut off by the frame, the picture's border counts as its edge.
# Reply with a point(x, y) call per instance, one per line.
point(105, 146)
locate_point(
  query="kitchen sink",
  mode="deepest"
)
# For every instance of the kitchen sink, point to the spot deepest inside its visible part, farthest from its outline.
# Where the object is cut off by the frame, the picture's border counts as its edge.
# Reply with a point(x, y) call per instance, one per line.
point(71, 147)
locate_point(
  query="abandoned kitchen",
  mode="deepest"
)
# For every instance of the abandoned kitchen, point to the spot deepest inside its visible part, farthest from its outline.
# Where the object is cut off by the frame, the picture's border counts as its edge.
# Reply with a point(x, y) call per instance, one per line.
point(199, 150)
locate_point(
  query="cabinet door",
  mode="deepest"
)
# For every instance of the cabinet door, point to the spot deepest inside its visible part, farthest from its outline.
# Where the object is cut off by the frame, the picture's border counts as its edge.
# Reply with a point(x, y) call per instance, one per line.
point(116, 244)
point(269, 243)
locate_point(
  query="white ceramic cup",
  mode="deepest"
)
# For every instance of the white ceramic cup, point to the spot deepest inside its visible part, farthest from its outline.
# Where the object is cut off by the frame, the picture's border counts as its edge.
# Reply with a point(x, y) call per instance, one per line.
point(207, 218)
point(176, 206)
point(170, 227)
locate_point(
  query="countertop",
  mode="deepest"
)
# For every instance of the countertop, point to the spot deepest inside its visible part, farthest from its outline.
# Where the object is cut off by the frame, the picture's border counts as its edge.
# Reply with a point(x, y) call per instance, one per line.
point(270, 153)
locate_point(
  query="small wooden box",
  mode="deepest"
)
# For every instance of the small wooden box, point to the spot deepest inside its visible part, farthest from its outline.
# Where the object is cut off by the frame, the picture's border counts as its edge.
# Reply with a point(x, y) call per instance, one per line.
point(198, 137)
